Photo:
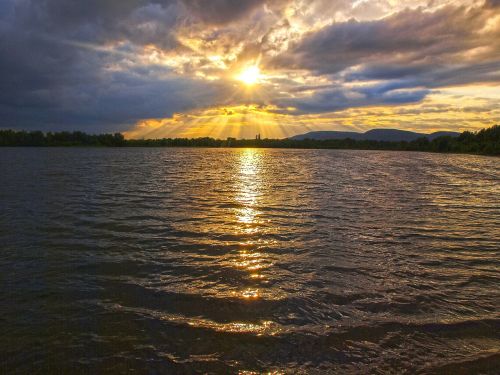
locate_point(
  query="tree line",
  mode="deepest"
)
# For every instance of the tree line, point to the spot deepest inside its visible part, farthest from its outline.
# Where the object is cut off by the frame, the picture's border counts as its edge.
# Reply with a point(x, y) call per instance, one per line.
point(50, 139)
point(485, 141)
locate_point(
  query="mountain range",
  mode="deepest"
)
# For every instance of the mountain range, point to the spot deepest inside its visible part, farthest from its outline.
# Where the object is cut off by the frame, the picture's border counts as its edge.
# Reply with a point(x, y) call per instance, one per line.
point(388, 135)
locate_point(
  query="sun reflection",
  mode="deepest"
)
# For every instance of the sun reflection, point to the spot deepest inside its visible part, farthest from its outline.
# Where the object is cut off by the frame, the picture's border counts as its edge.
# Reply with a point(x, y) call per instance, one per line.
point(248, 187)
point(250, 293)
point(249, 226)
point(256, 276)
point(246, 215)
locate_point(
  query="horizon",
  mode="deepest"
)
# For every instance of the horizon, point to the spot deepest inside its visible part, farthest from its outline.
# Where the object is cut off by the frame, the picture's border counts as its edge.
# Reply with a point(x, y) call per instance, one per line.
point(254, 137)
point(279, 68)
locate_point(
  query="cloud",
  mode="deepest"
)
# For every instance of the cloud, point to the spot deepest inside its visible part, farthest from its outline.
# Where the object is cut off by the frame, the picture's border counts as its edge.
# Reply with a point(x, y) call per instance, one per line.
point(67, 64)
point(221, 11)
point(413, 36)
point(406, 54)
point(342, 98)
point(103, 65)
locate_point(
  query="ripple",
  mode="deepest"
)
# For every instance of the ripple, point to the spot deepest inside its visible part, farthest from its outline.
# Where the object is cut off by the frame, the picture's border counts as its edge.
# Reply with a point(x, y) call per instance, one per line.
point(248, 261)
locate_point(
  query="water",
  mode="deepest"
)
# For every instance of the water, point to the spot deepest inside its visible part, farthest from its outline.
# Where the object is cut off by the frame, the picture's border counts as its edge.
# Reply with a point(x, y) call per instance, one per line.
point(154, 261)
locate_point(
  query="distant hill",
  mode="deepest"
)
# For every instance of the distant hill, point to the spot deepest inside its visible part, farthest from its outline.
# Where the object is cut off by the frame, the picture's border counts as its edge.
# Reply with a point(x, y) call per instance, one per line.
point(388, 135)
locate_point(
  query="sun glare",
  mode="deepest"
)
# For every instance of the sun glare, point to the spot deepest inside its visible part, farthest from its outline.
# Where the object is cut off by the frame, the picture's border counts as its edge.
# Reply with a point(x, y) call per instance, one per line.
point(250, 75)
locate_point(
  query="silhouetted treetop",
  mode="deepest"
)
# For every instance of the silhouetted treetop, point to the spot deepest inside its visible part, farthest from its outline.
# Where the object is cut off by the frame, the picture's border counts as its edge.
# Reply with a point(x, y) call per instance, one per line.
point(485, 141)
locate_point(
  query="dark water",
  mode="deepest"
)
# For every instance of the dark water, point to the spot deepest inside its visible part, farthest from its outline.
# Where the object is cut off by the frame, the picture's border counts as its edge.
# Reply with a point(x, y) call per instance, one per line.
point(159, 261)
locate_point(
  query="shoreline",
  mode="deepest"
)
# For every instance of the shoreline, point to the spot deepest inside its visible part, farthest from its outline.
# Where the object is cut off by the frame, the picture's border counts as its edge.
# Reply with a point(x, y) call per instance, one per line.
point(483, 142)
point(251, 147)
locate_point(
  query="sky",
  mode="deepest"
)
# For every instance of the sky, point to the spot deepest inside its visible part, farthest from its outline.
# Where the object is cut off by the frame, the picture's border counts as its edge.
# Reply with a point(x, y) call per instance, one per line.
point(235, 68)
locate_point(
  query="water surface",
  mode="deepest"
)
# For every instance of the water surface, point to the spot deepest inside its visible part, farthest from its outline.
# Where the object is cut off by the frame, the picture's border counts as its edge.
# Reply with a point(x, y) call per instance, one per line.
point(153, 261)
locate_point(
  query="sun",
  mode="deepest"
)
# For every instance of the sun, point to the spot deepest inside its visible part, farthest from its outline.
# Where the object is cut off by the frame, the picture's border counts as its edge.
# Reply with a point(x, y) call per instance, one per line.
point(250, 75)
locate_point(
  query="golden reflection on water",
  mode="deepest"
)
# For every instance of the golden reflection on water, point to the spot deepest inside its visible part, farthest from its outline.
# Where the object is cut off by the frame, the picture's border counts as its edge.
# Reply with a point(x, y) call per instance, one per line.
point(248, 187)
point(248, 194)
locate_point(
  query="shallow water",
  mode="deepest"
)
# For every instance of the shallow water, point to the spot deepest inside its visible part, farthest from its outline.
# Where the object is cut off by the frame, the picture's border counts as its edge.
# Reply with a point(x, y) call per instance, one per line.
point(152, 261)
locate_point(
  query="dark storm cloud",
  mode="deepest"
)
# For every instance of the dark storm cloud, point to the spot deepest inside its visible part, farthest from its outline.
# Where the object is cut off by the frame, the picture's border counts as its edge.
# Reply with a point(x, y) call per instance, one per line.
point(54, 73)
point(492, 3)
point(341, 98)
point(110, 102)
point(101, 21)
point(409, 36)
point(412, 39)
point(221, 11)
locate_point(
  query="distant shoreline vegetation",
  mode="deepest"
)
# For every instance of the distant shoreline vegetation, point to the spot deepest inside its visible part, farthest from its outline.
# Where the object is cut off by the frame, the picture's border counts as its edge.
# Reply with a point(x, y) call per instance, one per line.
point(486, 142)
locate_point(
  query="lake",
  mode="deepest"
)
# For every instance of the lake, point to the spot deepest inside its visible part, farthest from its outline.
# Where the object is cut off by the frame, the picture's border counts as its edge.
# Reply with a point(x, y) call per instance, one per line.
point(154, 261)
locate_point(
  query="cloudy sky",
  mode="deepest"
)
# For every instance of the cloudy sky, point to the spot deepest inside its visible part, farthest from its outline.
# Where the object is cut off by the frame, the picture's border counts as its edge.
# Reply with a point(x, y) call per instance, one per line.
point(155, 68)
